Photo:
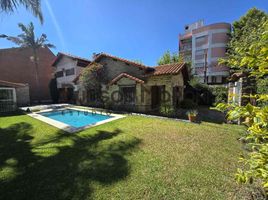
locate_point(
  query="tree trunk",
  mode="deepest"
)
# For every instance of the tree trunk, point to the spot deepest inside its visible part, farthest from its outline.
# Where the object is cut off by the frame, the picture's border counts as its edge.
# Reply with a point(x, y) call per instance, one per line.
point(36, 74)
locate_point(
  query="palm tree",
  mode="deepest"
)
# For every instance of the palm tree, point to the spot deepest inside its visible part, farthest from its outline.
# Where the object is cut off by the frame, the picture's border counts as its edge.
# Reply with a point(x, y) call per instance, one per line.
point(33, 5)
point(28, 40)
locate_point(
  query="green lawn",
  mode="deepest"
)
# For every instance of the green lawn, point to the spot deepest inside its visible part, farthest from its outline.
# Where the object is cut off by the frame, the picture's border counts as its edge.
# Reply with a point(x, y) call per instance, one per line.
point(130, 158)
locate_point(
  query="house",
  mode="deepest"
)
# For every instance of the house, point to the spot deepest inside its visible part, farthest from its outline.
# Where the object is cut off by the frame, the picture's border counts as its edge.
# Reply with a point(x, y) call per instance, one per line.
point(133, 86)
point(67, 67)
point(17, 66)
point(13, 95)
point(203, 45)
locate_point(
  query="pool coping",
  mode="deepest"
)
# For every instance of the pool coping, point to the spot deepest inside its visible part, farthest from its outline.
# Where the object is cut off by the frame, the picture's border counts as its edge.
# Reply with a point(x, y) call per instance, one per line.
point(68, 128)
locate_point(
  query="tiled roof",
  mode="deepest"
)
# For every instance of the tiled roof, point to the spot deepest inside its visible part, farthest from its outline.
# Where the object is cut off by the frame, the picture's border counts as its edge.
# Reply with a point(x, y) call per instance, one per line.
point(236, 76)
point(98, 56)
point(12, 84)
point(70, 56)
point(173, 68)
point(127, 76)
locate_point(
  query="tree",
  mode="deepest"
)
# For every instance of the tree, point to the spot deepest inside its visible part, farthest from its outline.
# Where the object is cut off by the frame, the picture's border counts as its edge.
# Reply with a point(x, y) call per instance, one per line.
point(246, 30)
point(33, 5)
point(253, 58)
point(54, 93)
point(169, 58)
point(91, 79)
point(91, 76)
point(29, 40)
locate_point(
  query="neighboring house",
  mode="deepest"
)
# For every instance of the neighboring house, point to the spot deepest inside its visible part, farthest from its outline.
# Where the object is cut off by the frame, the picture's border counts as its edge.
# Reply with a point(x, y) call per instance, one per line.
point(13, 95)
point(67, 67)
point(17, 66)
point(133, 86)
point(203, 45)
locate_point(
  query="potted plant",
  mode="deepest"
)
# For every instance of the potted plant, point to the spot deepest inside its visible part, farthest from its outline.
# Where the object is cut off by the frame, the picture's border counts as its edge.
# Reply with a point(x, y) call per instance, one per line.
point(192, 115)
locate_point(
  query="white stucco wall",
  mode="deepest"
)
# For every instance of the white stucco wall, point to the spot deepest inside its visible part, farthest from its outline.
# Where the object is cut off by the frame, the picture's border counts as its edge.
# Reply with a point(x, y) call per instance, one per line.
point(64, 64)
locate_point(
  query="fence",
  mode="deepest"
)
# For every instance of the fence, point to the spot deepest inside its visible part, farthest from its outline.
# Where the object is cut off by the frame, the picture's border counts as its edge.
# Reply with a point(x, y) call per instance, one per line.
point(7, 106)
point(7, 99)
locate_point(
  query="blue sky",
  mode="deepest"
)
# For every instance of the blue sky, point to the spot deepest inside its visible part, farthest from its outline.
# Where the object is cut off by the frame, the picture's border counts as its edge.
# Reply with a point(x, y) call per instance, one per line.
point(132, 29)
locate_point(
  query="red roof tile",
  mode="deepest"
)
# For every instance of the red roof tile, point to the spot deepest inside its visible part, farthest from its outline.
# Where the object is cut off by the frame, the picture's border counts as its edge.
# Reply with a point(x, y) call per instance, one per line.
point(173, 68)
point(98, 56)
point(127, 76)
point(60, 54)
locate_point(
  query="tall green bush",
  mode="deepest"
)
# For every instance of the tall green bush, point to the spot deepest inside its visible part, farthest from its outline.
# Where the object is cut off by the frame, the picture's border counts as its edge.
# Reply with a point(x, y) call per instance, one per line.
point(54, 93)
point(220, 94)
point(253, 58)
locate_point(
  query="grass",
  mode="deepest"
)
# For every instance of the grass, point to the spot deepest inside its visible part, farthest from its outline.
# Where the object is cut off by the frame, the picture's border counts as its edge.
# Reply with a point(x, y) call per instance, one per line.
point(131, 158)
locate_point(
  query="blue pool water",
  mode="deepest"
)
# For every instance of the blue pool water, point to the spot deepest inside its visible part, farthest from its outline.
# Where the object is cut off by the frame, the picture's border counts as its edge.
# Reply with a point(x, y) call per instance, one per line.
point(75, 118)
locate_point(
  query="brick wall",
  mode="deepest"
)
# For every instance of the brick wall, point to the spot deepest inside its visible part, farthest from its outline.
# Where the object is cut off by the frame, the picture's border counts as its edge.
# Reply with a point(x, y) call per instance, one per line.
point(16, 66)
point(23, 96)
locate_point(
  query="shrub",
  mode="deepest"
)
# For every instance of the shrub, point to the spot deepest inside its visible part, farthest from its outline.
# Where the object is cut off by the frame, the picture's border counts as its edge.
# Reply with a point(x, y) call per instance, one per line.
point(262, 86)
point(203, 92)
point(250, 54)
point(220, 94)
point(167, 110)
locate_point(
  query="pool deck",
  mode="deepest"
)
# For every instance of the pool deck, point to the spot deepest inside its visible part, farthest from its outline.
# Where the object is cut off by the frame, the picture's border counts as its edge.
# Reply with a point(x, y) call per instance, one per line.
point(66, 127)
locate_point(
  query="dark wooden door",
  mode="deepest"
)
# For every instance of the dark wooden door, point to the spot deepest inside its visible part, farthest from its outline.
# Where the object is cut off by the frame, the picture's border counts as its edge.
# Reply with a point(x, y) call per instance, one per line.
point(155, 96)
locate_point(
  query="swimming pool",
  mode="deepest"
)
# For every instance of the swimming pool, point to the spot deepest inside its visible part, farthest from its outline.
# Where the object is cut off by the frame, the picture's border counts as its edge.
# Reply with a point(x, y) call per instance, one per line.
point(76, 118)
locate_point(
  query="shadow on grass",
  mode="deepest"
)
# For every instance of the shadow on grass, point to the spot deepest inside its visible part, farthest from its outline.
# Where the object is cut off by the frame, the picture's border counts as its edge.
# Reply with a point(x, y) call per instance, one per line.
point(67, 174)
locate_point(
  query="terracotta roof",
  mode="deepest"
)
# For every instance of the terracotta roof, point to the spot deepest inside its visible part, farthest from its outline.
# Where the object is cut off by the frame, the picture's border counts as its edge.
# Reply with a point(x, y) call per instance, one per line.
point(60, 54)
point(100, 55)
point(12, 84)
point(236, 76)
point(141, 66)
point(127, 76)
point(173, 68)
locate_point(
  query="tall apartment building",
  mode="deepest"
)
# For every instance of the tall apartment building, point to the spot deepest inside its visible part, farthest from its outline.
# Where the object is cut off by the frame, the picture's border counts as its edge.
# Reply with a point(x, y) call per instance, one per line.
point(203, 45)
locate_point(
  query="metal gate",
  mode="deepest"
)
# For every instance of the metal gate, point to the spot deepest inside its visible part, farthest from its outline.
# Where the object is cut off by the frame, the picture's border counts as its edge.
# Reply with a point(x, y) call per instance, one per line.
point(8, 101)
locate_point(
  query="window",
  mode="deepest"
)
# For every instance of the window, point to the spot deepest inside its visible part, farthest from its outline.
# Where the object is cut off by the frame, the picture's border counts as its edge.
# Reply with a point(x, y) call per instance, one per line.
point(187, 58)
point(59, 74)
point(7, 94)
point(128, 94)
point(213, 79)
point(200, 39)
point(7, 99)
point(69, 72)
point(186, 46)
point(200, 52)
point(199, 64)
